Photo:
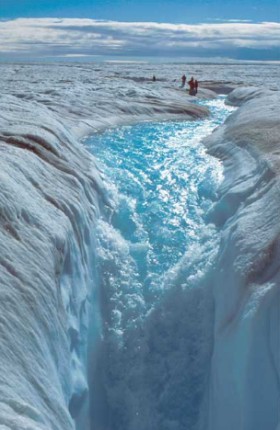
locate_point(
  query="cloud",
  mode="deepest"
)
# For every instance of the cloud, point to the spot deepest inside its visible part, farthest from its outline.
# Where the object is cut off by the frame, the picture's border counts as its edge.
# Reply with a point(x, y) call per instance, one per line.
point(232, 20)
point(71, 37)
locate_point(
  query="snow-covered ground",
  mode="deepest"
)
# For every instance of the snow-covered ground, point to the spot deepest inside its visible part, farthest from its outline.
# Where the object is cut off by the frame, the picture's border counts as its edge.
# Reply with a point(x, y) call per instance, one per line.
point(51, 195)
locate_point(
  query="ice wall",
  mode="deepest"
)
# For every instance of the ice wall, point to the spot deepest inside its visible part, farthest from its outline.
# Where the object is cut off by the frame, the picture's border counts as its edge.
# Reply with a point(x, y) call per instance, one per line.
point(244, 390)
point(50, 198)
point(49, 202)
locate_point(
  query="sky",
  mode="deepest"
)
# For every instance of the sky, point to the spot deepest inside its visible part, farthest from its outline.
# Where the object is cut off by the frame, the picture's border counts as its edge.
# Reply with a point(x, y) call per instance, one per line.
point(95, 29)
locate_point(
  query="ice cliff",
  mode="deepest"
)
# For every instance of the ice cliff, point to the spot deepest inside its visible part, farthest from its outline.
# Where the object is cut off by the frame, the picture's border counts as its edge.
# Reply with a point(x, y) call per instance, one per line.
point(49, 201)
point(244, 391)
point(51, 195)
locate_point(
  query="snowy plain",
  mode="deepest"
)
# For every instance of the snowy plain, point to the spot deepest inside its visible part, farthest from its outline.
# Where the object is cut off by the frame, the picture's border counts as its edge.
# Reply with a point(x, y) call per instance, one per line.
point(52, 195)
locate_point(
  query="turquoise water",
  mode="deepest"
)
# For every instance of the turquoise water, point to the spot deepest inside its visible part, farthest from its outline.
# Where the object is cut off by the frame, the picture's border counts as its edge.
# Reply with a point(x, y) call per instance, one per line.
point(164, 184)
point(154, 252)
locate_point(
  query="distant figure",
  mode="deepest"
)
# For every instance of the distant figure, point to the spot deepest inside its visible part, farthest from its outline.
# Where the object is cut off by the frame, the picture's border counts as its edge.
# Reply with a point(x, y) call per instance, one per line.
point(196, 85)
point(154, 78)
point(192, 87)
point(184, 78)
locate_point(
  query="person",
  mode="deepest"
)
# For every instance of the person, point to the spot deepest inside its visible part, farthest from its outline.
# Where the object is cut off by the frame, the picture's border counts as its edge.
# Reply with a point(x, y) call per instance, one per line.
point(154, 78)
point(196, 85)
point(184, 78)
point(192, 87)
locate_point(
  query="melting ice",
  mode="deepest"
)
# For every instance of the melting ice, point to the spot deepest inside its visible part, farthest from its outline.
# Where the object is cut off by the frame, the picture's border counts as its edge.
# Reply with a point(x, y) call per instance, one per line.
point(155, 253)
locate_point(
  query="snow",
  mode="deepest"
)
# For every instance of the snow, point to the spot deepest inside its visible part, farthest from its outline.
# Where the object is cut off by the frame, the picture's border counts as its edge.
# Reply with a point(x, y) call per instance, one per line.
point(50, 198)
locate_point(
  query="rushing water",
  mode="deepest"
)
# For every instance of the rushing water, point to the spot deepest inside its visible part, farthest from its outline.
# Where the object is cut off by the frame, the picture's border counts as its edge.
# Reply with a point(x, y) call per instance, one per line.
point(162, 182)
point(154, 247)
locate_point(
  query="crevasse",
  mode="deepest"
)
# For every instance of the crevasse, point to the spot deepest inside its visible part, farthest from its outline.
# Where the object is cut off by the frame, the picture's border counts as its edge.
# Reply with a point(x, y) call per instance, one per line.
point(51, 198)
point(51, 194)
point(155, 254)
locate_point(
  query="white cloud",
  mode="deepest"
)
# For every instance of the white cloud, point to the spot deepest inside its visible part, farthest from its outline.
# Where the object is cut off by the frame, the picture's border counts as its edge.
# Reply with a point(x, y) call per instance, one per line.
point(71, 37)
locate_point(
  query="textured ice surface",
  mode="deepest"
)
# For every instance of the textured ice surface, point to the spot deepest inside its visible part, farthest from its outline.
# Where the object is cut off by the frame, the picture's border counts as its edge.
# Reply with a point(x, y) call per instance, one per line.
point(50, 197)
point(49, 201)
point(244, 379)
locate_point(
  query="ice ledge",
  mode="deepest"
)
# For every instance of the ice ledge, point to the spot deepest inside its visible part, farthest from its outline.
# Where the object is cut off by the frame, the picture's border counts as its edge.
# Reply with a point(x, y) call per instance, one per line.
point(241, 95)
point(49, 200)
point(244, 389)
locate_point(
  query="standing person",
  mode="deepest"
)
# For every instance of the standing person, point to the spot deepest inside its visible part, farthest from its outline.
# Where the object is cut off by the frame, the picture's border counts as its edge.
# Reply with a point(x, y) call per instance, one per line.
point(184, 78)
point(196, 85)
point(192, 87)
point(154, 78)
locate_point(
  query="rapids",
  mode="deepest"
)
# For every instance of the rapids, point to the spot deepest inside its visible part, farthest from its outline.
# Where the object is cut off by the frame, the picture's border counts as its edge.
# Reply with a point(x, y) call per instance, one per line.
point(161, 184)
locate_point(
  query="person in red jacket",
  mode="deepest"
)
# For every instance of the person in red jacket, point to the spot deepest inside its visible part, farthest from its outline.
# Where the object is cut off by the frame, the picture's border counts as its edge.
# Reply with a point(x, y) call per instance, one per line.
point(192, 87)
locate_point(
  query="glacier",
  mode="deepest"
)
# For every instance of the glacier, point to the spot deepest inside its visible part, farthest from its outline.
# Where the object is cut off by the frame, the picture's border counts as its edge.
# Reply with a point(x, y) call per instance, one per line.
point(244, 378)
point(52, 200)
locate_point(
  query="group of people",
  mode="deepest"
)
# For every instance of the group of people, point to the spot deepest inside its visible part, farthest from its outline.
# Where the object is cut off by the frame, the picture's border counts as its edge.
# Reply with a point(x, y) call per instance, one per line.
point(193, 84)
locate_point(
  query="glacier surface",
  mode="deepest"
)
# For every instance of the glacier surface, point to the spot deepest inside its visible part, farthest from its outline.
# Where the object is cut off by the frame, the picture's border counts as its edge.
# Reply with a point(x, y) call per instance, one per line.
point(51, 197)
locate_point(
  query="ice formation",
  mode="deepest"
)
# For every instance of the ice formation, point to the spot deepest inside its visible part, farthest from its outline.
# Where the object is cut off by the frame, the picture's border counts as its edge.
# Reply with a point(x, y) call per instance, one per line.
point(244, 379)
point(51, 196)
point(49, 201)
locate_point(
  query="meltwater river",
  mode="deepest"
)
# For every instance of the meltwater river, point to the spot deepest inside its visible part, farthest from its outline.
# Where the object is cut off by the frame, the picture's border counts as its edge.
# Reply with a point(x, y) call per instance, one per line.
point(155, 251)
